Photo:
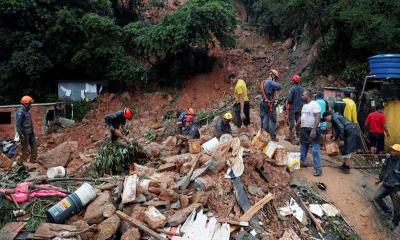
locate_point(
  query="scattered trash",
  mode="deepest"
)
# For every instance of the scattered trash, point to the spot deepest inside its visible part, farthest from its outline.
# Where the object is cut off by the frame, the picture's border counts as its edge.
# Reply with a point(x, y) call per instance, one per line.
point(330, 210)
point(270, 148)
point(56, 172)
point(316, 209)
point(72, 204)
point(292, 208)
point(293, 161)
point(209, 146)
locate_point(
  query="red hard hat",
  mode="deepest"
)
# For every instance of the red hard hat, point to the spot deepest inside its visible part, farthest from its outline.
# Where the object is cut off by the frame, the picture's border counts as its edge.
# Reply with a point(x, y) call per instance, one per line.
point(26, 100)
point(296, 78)
point(189, 118)
point(128, 114)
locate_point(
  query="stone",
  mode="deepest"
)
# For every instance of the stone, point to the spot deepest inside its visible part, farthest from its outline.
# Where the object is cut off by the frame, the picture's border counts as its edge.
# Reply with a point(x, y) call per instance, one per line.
point(170, 141)
point(94, 211)
point(60, 155)
point(154, 218)
point(180, 216)
point(167, 167)
point(288, 43)
point(109, 210)
point(108, 228)
point(154, 148)
point(184, 200)
point(5, 162)
point(255, 191)
point(131, 234)
point(168, 195)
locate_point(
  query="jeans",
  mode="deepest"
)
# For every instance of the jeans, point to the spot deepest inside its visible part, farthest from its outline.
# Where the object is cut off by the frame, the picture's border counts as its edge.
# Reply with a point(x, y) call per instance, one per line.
point(294, 118)
point(380, 194)
point(315, 153)
point(269, 121)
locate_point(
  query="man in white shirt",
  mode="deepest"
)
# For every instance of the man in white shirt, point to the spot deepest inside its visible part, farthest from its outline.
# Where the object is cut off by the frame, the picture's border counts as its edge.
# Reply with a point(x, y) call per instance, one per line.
point(309, 133)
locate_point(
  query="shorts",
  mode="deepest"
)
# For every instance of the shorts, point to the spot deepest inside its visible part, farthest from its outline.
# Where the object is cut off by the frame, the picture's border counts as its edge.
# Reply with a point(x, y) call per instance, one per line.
point(377, 140)
point(246, 109)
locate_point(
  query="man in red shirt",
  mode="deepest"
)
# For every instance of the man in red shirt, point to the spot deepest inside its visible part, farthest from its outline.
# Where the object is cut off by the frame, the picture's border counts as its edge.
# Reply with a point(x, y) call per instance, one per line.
point(376, 125)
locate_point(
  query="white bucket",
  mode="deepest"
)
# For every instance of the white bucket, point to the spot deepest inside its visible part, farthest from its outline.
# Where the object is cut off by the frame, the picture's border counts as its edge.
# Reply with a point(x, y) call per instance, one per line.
point(86, 193)
point(210, 145)
point(56, 172)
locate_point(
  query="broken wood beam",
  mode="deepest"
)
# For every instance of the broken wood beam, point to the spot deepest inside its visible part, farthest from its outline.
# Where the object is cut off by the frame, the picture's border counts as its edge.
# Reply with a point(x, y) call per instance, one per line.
point(139, 225)
point(311, 215)
point(234, 222)
point(179, 234)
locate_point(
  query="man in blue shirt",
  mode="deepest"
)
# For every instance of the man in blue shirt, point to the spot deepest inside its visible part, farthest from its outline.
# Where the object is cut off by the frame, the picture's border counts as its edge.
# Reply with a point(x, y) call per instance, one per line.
point(293, 107)
point(24, 126)
point(114, 121)
point(268, 105)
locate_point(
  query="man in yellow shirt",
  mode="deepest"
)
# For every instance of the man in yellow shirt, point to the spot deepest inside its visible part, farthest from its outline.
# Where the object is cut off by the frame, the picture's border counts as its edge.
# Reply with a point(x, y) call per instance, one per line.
point(241, 108)
point(350, 111)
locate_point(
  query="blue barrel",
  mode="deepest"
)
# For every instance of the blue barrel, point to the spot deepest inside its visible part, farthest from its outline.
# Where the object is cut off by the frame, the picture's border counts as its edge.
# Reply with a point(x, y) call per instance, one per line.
point(385, 66)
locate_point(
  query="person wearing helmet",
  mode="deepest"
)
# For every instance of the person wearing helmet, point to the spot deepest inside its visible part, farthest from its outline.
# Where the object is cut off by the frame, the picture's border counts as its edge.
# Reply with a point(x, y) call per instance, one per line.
point(268, 106)
point(390, 186)
point(181, 123)
point(293, 108)
point(190, 131)
point(24, 126)
point(223, 125)
point(115, 121)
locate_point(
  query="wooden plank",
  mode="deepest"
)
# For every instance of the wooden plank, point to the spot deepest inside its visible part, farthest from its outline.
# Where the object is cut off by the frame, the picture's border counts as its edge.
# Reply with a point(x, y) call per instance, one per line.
point(234, 222)
point(254, 209)
point(140, 225)
point(11, 230)
point(311, 215)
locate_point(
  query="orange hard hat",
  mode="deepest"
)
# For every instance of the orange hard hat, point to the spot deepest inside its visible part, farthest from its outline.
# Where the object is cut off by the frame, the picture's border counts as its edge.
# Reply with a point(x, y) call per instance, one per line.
point(26, 100)
point(296, 78)
point(191, 111)
point(189, 118)
point(275, 73)
point(128, 114)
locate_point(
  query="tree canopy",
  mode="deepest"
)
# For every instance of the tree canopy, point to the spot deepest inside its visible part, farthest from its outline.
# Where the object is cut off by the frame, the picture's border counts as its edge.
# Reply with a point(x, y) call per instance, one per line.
point(42, 41)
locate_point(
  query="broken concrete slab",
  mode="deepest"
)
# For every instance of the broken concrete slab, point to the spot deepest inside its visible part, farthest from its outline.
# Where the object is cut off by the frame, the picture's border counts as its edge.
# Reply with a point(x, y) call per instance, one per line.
point(166, 167)
point(60, 155)
point(168, 195)
point(94, 211)
point(132, 234)
point(129, 193)
point(181, 215)
point(108, 228)
point(154, 218)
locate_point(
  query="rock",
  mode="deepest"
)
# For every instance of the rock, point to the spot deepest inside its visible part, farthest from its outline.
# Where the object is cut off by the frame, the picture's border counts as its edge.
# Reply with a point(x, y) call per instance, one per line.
point(287, 44)
point(60, 155)
point(166, 167)
point(255, 191)
point(109, 210)
point(177, 158)
point(140, 170)
point(205, 183)
point(168, 195)
point(201, 197)
point(156, 125)
point(216, 86)
point(154, 218)
point(181, 215)
point(108, 228)
point(185, 168)
point(154, 148)
point(131, 234)
point(5, 162)
point(170, 141)
point(203, 159)
point(84, 225)
point(276, 44)
point(184, 200)
point(94, 212)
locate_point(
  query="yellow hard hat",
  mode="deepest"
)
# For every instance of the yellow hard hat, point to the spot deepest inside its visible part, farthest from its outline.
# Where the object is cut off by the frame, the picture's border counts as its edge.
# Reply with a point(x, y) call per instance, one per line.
point(396, 147)
point(228, 116)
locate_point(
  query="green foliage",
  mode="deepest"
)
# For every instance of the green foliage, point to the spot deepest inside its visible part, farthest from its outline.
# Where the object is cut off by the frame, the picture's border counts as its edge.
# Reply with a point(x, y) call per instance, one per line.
point(43, 41)
point(81, 109)
point(350, 31)
point(115, 158)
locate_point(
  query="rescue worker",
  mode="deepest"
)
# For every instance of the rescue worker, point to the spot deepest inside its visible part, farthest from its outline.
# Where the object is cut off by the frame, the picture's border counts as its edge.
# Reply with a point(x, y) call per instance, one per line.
point(241, 108)
point(390, 178)
point(319, 98)
point(268, 89)
point(350, 110)
point(223, 125)
point(115, 122)
point(347, 134)
point(293, 107)
point(25, 130)
point(376, 126)
point(182, 118)
point(190, 131)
